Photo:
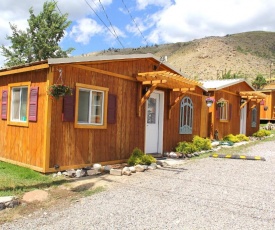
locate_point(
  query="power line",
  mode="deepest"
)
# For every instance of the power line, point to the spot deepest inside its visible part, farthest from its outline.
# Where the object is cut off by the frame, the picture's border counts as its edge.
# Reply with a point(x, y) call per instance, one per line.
point(134, 22)
point(102, 20)
point(111, 24)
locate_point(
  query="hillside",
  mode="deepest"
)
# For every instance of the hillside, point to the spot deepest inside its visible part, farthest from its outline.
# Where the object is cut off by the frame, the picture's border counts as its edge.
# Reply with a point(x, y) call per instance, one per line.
point(246, 54)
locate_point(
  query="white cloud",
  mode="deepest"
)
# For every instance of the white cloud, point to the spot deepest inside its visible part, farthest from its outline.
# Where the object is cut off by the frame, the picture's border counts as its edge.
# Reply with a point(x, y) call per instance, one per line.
point(85, 29)
point(186, 20)
point(142, 4)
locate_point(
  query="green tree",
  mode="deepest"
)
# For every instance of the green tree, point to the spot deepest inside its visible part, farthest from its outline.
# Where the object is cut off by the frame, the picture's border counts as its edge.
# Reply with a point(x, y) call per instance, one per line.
point(41, 38)
point(259, 82)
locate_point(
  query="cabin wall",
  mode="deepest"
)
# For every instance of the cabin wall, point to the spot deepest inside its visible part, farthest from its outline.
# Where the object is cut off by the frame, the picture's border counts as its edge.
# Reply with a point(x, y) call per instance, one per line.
point(76, 146)
point(25, 145)
point(232, 126)
point(171, 136)
point(269, 113)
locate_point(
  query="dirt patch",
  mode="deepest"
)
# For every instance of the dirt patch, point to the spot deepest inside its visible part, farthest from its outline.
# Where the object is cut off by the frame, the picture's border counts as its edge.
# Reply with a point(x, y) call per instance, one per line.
point(62, 196)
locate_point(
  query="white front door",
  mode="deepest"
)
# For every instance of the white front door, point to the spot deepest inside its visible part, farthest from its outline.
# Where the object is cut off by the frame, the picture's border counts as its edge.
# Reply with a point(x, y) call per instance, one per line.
point(243, 120)
point(154, 123)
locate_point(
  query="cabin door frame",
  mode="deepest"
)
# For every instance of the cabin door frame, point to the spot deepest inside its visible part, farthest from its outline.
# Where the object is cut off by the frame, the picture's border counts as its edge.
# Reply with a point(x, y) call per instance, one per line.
point(154, 119)
point(243, 115)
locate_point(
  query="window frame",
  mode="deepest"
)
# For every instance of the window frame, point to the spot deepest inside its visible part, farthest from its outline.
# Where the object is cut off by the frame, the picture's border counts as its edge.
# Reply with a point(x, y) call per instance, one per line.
point(187, 127)
point(224, 112)
point(92, 88)
point(9, 113)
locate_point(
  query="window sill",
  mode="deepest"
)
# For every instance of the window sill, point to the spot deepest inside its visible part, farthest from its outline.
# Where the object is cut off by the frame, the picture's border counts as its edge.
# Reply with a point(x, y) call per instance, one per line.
point(224, 121)
point(21, 124)
point(89, 126)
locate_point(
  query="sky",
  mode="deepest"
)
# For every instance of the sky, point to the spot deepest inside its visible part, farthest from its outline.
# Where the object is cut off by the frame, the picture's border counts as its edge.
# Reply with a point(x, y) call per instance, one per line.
point(102, 24)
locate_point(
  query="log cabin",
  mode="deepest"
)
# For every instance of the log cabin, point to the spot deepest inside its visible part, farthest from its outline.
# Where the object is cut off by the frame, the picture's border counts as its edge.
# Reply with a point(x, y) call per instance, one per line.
point(118, 103)
point(236, 109)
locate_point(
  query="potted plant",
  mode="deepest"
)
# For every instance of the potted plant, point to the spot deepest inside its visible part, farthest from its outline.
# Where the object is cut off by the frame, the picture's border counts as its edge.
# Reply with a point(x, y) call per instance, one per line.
point(221, 102)
point(209, 101)
point(59, 90)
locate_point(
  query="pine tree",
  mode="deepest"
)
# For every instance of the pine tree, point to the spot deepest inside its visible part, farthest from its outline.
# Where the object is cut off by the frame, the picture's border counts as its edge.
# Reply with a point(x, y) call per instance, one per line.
point(41, 39)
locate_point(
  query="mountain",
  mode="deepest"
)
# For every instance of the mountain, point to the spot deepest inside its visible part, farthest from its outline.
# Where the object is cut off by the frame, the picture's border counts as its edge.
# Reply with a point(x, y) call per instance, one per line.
point(244, 54)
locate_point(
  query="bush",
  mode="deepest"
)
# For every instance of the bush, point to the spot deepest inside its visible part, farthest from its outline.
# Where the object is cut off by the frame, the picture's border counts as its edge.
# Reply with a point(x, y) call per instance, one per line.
point(261, 133)
point(138, 157)
point(231, 137)
point(186, 147)
point(242, 137)
point(202, 143)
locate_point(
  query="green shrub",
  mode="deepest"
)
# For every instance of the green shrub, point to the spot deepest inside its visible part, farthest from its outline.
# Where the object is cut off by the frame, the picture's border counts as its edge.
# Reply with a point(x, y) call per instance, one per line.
point(148, 159)
point(231, 137)
point(202, 143)
point(186, 147)
point(261, 133)
point(138, 157)
point(242, 137)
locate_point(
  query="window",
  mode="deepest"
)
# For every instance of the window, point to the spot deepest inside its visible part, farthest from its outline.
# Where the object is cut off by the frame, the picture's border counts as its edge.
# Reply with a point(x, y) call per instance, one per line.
point(19, 103)
point(186, 116)
point(254, 118)
point(223, 111)
point(91, 106)
point(19, 98)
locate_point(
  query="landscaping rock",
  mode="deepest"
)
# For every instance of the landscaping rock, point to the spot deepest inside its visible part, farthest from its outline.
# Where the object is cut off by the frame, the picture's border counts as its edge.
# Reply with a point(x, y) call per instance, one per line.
point(107, 168)
point(92, 172)
point(116, 172)
point(126, 171)
point(173, 155)
point(132, 169)
point(8, 202)
point(196, 154)
point(97, 166)
point(36, 195)
point(159, 166)
point(189, 155)
point(71, 173)
point(153, 165)
point(139, 168)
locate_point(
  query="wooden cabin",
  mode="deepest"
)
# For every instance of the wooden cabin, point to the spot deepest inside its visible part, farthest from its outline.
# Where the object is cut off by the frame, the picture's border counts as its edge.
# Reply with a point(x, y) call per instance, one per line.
point(267, 108)
point(236, 109)
point(118, 103)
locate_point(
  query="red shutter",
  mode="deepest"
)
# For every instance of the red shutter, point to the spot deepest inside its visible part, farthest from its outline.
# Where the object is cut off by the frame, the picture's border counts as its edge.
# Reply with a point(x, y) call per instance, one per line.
point(217, 112)
point(33, 104)
point(111, 110)
point(230, 112)
point(68, 108)
point(4, 109)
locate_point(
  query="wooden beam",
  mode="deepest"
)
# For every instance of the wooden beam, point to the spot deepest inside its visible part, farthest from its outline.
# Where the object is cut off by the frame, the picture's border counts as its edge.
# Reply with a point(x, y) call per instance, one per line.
point(181, 95)
point(88, 68)
point(24, 69)
point(154, 82)
point(183, 89)
point(244, 104)
point(47, 125)
point(145, 97)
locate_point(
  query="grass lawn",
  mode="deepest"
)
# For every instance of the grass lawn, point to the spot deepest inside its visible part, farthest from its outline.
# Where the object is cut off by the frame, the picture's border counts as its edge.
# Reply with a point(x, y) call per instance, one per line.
point(15, 180)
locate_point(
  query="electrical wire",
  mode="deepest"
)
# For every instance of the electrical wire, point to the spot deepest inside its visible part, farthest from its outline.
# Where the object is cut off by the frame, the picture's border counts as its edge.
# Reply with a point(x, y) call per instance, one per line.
point(134, 22)
point(110, 23)
point(102, 21)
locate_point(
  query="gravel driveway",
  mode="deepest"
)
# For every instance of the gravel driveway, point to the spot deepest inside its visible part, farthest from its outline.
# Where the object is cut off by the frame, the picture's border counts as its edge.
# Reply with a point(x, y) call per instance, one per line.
point(208, 193)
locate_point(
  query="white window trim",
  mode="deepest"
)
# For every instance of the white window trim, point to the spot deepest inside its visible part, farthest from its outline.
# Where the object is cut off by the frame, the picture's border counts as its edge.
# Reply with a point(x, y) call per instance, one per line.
point(186, 123)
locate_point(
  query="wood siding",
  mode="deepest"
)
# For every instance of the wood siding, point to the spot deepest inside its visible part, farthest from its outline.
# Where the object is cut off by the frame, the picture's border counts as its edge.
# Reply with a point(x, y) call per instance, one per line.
point(171, 135)
point(269, 101)
point(232, 126)
point(25, 145)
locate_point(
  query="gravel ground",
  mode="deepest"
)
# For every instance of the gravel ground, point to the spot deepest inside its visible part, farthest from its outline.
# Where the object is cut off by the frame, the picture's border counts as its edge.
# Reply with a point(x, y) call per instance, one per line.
point(208, 193)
